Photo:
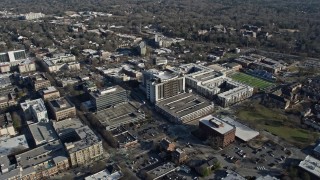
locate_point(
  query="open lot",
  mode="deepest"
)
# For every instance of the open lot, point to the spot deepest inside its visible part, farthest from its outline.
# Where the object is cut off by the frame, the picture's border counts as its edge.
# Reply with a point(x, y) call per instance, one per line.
point(277, 122)
point(251, 80)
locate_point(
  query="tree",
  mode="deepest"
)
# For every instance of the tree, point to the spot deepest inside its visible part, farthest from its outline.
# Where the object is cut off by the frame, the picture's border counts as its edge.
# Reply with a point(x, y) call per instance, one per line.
point(306, 176)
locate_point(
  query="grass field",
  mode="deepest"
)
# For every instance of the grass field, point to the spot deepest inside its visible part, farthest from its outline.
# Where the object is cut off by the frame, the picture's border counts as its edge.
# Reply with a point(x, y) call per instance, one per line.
point(276, 122)
point(251, 80)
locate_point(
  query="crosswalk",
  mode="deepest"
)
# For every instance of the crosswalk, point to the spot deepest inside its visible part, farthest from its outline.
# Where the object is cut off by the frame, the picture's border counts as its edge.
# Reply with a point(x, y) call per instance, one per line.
point(261, 168)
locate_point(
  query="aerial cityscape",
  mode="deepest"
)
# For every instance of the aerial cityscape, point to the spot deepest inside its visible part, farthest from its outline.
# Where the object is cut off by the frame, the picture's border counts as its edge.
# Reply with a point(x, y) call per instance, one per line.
point(159, 89)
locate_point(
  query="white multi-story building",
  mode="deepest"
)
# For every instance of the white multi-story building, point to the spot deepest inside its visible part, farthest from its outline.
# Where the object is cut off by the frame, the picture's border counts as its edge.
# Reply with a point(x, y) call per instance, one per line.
point(12, 57)
point(35, 109)
point(27, 66)
point(59, 62)
point(214, 84)
point(32, 16)
point(162, 84)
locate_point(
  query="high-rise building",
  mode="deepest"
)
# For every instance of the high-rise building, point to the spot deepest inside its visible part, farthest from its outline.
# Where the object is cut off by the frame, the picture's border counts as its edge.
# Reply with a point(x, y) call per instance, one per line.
point(108, 97)
point(162, 84)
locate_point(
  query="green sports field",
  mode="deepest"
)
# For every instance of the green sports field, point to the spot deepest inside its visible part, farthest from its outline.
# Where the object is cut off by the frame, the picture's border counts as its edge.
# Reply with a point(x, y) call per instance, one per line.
point(251, 80)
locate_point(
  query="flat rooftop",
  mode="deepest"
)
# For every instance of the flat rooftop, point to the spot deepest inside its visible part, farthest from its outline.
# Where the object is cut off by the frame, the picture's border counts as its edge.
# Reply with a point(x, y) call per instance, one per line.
point(311, 165)
point(49, 90)
point(53, 152)
point(205, 76)
point(125, 138)
point(42, 132)
point(37, 105)
point(109, 90)
point(243, 132)
point(10, 145)
point(104, 174)
point(118, 115)
point(66, 126)
point(87, 139)
point(61, 104)
point(162, 170)
point(216, 124)
point(183, 104)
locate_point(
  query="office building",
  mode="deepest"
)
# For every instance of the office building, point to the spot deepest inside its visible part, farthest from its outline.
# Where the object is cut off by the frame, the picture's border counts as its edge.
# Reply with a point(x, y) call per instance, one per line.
point(62, 108)
point(35, 109)
point(49, 93)
point(108, 97)
point(82, 145)
point(184, 107)
point(42, 133)
point(39, 81)
point(44, 161)
point(219, 131)
point(160, 85)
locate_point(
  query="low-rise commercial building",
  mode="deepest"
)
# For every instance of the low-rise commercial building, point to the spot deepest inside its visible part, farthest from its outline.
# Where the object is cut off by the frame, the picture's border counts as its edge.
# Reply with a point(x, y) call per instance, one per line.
point(50, 93)
point(44, 161)
point(184, 107)
point(243, 132)
point(6, 125)
point(82, 145)
point(60, 62)
point(39, 81)
point(12, 145)
point(219, 131)
point(110, 173)
point(42, 133)
point(179, 156)
point(311, 165)
point(160, 171)
point(62, 108)
point(7, 101)
point(27, 66)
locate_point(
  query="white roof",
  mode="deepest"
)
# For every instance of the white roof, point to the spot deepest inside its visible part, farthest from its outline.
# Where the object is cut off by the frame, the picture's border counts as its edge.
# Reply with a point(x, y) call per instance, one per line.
point(317, 148)
point(311, 165)
point(242, 132)
point(211, 120)
point(8, 144)
point(105, 175)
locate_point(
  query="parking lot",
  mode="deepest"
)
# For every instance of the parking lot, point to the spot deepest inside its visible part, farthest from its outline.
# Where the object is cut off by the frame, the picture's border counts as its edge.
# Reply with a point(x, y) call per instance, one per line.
point(268, 157)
